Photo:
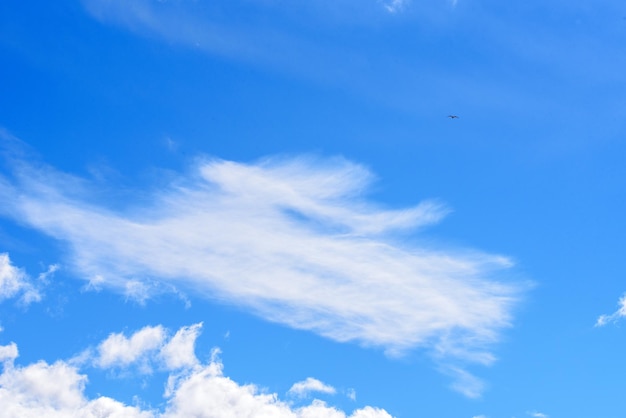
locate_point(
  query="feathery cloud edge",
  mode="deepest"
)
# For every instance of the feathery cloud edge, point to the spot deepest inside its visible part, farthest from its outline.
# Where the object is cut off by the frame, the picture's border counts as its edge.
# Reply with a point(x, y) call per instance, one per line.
point(292, 240)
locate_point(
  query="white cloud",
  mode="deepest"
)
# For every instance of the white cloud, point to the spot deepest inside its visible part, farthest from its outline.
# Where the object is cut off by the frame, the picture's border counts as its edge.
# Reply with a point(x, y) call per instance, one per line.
point(8, 353)
point(179, 352)
point(119, 351)
point(464, 382)
point(208, 393)
point(292, 240)
point(620, 313)
point(395, 6)
point(57, 390)
point(351, 394)
point(537, 415)
point(310, 384)
point(288, 49)
point(147, 348)
point(12, 279)
point(15, 282)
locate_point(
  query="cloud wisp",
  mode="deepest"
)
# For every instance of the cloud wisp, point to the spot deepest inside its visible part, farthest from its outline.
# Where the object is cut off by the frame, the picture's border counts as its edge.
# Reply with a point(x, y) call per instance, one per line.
point(310, 385)
point(293, 240)
point(395, 6)
point(615, 316)
point(202, 390)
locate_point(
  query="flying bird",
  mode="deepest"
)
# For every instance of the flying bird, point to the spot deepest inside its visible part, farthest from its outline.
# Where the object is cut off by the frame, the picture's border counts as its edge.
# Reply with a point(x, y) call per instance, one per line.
point(453, 116)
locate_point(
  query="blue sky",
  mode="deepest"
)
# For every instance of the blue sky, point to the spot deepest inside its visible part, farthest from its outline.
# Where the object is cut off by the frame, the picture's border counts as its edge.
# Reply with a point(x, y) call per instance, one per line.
point(255, 208)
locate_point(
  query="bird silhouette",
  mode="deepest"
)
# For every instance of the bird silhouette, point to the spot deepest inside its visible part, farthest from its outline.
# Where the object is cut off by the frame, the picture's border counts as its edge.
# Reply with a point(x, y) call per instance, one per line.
point(453, 116)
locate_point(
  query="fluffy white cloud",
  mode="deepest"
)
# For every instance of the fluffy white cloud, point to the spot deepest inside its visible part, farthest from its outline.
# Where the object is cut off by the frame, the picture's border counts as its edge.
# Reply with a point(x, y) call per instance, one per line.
point(179, 352)
point(310, 384)
point(537, 415)
point(12, 279)
point(293, 240)
point(148, 347)
point(208, 393)
point(15, 282)
point(57, 390)
point(119, 351)
point(618, 314)
point(8, 353)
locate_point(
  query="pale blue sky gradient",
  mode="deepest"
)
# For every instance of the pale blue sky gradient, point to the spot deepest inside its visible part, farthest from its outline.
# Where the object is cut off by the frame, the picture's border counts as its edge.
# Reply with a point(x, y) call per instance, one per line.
point(257, 192)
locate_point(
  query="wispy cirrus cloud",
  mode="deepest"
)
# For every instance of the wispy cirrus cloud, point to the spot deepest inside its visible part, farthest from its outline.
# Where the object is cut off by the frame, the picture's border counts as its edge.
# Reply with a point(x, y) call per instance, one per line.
point(395, 6)
point(615, 316)
point(220, 29)
point(58, 390)
point(310, 385)
point(212, 29)
point(293, 240)
point(465, 382)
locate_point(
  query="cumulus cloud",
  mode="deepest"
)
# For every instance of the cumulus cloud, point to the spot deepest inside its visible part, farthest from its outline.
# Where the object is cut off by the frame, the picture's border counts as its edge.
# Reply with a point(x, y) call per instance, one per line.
point(8, 353)
point(537, 415)
point(208, 393)
point(144, 349)
point(309, 385)
point(12, 279)
point(58, 390)
point(179, 351)
point(14, 282)
point(119, 351)
point(618, 314)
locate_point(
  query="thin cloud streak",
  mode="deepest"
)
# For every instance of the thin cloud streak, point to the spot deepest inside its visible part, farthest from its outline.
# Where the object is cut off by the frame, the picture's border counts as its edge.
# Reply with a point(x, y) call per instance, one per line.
point(464, 382)
point(381, 74)
point(615, 316)
point(395, 6)
point(292, 240)
point(309, 385)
